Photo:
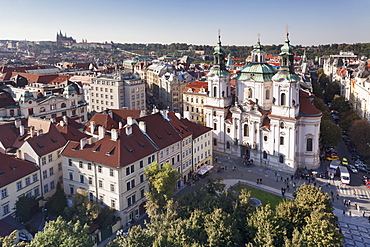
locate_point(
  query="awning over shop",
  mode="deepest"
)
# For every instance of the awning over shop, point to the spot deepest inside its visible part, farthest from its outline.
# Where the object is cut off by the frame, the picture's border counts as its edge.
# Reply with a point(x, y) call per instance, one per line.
point(204, 169)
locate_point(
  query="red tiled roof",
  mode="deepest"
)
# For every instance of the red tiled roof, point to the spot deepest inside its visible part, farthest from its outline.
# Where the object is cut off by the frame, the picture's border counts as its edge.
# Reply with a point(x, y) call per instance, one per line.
point(124, 151)
point(72, 122)
point(101, 119)
point(197, 129)
point(12, 169)
point(196, 86)
point(6, 229)
point(6, 99)
point(47, 142)
point(121, 114)
point(306, 108)
point(180, 127)
point(8, 134)
point(160, 130)
point(70, 133)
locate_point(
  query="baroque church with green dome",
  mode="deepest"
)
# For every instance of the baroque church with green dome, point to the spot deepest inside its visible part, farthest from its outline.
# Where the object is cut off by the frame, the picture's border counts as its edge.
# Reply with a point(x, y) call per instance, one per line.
point(270, 119)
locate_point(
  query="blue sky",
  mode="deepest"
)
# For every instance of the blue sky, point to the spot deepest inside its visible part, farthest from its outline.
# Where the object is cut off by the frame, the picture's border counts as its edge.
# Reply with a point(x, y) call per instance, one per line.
point(311, 22)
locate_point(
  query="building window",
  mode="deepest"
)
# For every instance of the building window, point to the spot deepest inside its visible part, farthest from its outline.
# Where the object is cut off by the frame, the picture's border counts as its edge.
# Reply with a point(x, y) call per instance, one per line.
point(89, 166)
point(71, 190)
point(99, 169)
point(52, 185)
point(80, 164)
point(46, 188)
point(63, 105)
point(100, 183)
point(6, 209)
point(214, 142)
point(265, 138)
point(36, 192)
point(59, 166)
point(267, 94)
point(50, 157)
point(43, 161)
point(250, 93)
point(28, 181)
point(113, 203)
point(264, 155)
point(214, 91)
point(282, 125)
point(142, 178)
point(141, 164)
point(90, 180)
point(281, 140)
point(281, 159)
point(214, 126)
point(228, 145)
point(35, 178)
point(4, 193)
point(111, 173)
point(70, 162)
point(51, 171)
point(112, 187)
point(309, 145)
point(82, 179)
point(44, 174)
point(142, 193)
point(282, 99)
point(71, 176)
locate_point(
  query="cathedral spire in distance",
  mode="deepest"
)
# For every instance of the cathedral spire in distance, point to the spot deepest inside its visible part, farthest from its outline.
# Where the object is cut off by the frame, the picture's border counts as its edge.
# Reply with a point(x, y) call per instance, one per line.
point(219, 66)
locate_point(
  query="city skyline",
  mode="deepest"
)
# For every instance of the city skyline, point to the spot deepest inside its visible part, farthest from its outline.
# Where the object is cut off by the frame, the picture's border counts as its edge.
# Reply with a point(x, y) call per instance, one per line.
point(192, 22)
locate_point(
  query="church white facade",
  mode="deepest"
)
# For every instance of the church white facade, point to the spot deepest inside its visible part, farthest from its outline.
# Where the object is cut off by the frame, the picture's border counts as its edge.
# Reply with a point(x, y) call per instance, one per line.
point(271, 119)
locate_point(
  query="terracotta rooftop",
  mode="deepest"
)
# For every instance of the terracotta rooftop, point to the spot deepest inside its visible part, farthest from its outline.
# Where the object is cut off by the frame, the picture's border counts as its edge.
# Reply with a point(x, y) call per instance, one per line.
point(306, 108)
point(160, 130)
point(121, 114)
point(12, 169)
point(197, 129)
point(101, 119)
point(126, 150)
point(6, 99)
point(182, 129)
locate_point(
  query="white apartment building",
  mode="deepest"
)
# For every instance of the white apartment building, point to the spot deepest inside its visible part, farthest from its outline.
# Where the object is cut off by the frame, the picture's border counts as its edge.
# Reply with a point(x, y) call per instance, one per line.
point(116, 92)
point(18, 177)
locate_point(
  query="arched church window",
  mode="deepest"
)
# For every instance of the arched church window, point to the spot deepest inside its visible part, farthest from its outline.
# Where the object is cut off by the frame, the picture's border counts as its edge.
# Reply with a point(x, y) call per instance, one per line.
point(228, 130)
point(228, 145)
point(250, 93)
point(246, 130)
point(227, 91)
point(214, 91)
point(42, 109)
point(214, 113)
point(264, 155)
point(281, 140)
point(281, 158)
point(214, 126)
point(265, 138)
point(282, 125)
point(282, 99)
point(223, 94)
point(63, 105)
point(267, 94)
point(309, 145)
point(255, 58)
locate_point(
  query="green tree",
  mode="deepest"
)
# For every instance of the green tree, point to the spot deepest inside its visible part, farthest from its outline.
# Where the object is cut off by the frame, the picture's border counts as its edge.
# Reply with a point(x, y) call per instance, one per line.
point(332, 89)
point(82, 209)
point(162, 183)
point(340, 104)
point(8, 241)
point(348, 118)
point(360, 133)
point(25, 206)
point(58, 202)
point(330, 134)
point(63, 234)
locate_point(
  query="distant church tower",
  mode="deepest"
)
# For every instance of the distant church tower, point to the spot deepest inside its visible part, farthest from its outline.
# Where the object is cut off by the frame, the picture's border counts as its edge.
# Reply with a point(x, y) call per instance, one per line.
point(219, 98)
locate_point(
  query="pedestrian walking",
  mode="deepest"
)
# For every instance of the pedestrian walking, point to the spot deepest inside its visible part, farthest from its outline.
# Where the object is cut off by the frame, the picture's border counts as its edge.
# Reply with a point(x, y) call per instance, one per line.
point(281, 178)
point(354, 192)
point(350, 214)
point(358, 208)
point(363, 213)
point(349, 203)
point(294, 185)
point(337, 196)
point(344, 212)
point(344, 202)
point(258, 181)
point(277, 179)
point(332, 193)
point(287, 187)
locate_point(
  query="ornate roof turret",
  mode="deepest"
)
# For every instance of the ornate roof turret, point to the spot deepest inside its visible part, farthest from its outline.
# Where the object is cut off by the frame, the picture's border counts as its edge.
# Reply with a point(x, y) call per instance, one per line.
point(219, 67)
point(286, 70)
point(69, 90)
point(27, 96)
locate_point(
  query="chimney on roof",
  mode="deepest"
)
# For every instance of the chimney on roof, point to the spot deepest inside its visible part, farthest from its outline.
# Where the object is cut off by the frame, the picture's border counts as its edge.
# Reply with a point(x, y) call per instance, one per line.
point(39, 132)
point(129, 120)
point(32, 130)
point(83, 142)
point(114, 134)
point(142, 113)
point(61, 123)
point(142, 126)
point(92, 127)
point(21, 130)
point(129, 130)
point(165, 114)
point(120, 125)
point(65, 119)
point(52, 120)
point(101, 131)
point(17, 123)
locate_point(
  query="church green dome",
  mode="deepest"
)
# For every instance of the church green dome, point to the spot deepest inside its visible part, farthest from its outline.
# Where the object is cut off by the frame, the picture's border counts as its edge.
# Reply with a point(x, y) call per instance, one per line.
point(287, 49)
point(257, 71)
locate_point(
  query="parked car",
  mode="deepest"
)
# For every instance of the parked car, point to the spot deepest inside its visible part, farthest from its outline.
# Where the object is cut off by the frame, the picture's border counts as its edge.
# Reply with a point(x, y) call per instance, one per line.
point(332, 157)
point(352, 168)
point(363, 168)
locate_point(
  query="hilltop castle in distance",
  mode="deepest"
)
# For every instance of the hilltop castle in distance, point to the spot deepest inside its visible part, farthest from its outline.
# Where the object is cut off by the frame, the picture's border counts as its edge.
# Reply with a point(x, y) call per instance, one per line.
point(64, 39)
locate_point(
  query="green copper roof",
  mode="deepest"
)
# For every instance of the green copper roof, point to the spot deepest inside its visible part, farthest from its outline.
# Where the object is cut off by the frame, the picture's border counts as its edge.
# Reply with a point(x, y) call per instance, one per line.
point(257, 71)
point(258, 47)
point(287, 49)
point(216, 71)
point(284, 74)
